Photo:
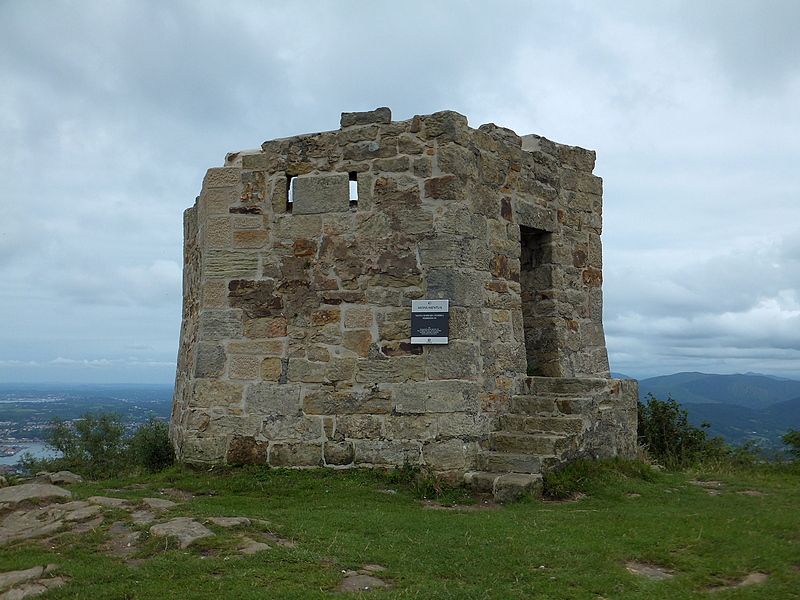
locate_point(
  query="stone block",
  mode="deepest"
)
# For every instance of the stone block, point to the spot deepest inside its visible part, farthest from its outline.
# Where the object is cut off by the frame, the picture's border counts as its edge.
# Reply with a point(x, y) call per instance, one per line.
point(512, 487)
point(268, 398)
point(446, 455)
point(338, 453)
point(271, 369)
point(299, 226)
point(325, 316)
point(230, 264)
point(220, 324)
point(214, 202)
point(411, 427)
point(246, 450)
point(360, 426)
point(358, 341)
point(456, 360)
point(397, 369)
point(330, 402)
point(250, 238)
point(292, 428)
point(209, 360)
point(387, 452)
point(264, 348)
point(394, 331)
point(379, 115)
point(462, 289)
point(266, 327)
point(467, 426)
point(436, 397)
point(447, 125)
point(207, 393)
point(534, 216)
point(221, 177)
point(202, 449)
point(316, 194)
point(300, 454)
point(217, 232)
point(244, 367)
point(337, 369)
point(214, 293)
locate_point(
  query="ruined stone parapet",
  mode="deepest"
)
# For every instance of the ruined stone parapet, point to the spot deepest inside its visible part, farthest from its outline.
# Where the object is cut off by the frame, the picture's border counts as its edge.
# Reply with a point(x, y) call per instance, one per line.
point(302, 259)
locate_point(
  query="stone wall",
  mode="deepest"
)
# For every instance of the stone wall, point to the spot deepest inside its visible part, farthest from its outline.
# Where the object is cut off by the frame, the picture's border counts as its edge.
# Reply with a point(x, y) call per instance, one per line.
point(301, 262)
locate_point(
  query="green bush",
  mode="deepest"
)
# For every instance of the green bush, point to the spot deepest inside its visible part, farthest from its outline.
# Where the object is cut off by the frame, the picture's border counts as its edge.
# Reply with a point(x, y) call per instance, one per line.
point(664, 430)
point(149, 446)
point(95, 446)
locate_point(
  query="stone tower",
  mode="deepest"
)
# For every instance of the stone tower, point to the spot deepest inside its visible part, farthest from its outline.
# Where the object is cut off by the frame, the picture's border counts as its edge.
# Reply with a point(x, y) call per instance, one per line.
point(302, 259)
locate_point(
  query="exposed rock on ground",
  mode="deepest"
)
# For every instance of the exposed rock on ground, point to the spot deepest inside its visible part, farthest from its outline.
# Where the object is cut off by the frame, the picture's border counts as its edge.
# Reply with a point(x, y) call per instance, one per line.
point(37, 509)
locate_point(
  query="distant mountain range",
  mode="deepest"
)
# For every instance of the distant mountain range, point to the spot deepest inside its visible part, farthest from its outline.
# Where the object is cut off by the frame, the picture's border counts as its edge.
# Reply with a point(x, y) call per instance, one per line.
point(739, 407)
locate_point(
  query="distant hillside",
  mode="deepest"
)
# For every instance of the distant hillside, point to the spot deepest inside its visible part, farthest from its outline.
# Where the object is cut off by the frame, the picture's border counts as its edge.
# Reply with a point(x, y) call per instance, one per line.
point(739, 424)
point(739, 407)
point(751, 391)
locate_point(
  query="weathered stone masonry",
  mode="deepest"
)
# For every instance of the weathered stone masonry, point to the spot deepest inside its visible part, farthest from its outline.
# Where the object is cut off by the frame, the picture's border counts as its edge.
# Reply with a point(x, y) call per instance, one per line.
point(297, 292)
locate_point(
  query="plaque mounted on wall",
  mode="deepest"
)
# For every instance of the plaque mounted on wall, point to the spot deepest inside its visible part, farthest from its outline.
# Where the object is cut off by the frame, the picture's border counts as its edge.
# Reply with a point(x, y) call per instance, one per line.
point(430, 321)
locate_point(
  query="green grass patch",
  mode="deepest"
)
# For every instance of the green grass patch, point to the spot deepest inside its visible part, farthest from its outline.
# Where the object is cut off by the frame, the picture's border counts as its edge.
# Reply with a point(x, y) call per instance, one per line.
point(343, 520)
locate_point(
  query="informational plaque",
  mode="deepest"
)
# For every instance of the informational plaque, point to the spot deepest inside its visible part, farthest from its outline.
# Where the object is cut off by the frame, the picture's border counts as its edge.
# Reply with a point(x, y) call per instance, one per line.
point(430, 321)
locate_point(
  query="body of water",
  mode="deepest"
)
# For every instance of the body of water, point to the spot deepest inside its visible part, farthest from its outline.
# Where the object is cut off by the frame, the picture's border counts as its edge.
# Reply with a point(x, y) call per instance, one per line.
point(38, 449)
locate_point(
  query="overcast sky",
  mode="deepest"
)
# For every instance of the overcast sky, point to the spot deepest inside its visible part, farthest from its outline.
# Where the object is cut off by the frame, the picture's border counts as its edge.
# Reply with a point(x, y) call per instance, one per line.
point(111, 112)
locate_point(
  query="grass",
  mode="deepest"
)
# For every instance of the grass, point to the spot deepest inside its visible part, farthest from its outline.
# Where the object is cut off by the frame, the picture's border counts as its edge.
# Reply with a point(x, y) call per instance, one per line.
point(344, 520)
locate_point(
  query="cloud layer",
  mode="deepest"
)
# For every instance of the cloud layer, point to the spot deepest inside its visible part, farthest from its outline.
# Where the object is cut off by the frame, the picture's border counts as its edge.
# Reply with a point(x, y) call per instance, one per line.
point(112, 111)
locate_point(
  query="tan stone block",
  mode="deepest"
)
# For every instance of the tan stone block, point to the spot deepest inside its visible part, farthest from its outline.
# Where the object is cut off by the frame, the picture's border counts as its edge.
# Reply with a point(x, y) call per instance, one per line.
point(250, 238)
point(464, 425)
point(292, 428)
point(436, 397)
point(318, 353)
point(292, 227)
point(249, 221)
point(394, 452)
point(394, 331)
point(357, 341)
point(230, 263)
point(326, 316)
point(359, 426)
point(270, 398)
point(271, 369)
point(214, 293)
point(301, 454)
point(220, 324)
point(265, 348)
point(357, 317)
point(213, 392)
point(214, 202)
point(397, 369)
point(338, 453)
point(330, 402)
point(244, 367)
point(203, 449)
point(501, 316)
point(221, 177)
point(411, 427)
point(448, 455)
point(456, 360)
point(217, 232)
point(265, 327)
point(337, 369)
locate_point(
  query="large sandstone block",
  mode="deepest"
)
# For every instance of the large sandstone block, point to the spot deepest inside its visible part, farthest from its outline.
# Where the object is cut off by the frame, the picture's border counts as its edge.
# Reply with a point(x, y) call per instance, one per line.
point(315, 194)
point(436, 397)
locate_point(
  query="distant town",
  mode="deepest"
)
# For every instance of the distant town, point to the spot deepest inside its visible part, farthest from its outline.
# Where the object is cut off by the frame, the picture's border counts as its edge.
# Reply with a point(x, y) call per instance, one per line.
point(27, 411)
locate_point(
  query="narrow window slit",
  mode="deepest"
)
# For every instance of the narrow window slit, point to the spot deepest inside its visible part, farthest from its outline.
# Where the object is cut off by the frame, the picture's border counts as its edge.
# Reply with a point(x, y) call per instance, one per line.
point(353, 188)
point(289, 192)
